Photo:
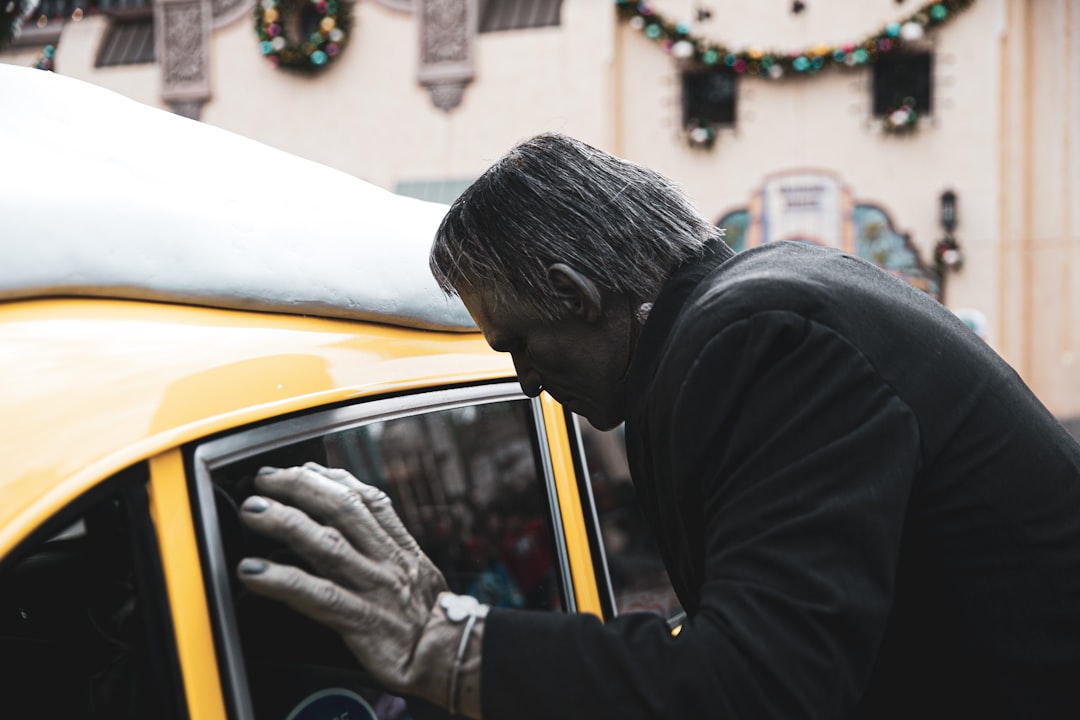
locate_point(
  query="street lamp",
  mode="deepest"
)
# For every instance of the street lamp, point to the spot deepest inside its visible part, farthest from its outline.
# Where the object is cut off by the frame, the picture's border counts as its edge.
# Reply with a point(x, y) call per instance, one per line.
point(948, 211)
point(947, 252)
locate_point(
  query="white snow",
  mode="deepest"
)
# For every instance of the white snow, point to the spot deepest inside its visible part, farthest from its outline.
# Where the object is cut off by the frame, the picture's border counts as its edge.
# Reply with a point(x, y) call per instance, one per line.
point(104, 196)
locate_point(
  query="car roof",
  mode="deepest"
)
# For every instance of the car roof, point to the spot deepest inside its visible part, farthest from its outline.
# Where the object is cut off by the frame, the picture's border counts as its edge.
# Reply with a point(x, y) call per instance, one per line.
point(276, 285)
point(104, 196)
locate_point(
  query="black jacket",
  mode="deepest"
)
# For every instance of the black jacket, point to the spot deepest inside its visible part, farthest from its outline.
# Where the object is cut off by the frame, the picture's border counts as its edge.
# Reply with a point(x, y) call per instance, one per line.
point(863, 510)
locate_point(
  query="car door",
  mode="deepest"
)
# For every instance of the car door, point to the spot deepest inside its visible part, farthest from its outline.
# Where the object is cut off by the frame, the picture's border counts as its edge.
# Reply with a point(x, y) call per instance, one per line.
point(484, 478)
point(85, 624)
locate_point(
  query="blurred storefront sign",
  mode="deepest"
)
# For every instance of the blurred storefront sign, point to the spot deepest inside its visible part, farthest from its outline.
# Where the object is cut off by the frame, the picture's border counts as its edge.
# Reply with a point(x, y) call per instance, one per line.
point(816, 207)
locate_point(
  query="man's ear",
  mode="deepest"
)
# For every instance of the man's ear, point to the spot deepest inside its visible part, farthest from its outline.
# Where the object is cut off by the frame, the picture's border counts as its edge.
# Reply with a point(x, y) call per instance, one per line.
point(577, 293)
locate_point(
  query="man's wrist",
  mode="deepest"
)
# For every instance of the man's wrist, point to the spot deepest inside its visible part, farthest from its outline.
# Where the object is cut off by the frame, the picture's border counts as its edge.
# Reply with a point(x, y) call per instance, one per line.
point(447, 662)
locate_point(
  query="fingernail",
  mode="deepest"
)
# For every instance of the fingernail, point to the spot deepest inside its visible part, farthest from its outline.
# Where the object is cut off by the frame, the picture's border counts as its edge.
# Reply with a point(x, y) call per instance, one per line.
point(255, 504)
point(250, 566)
point(268, 470)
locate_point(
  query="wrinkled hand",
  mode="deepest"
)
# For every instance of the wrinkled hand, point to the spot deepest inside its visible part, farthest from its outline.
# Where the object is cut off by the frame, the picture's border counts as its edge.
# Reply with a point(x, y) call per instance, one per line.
point(370, 583)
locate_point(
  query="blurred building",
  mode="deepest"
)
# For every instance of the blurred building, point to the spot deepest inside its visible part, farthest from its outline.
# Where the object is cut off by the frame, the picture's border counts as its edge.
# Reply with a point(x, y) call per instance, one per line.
point(941, 141)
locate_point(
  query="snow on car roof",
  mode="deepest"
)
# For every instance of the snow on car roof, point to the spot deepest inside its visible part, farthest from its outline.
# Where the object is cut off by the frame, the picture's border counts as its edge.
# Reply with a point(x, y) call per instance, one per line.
point(103, 196)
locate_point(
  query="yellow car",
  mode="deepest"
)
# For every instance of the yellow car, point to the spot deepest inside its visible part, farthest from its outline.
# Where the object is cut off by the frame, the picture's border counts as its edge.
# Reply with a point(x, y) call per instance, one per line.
point(180, 306)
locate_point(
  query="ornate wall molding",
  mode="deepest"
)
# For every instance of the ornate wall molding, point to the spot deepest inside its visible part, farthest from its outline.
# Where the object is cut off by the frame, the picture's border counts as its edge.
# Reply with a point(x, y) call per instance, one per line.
point(188, 108)
point(447, 39)
point(183, 36)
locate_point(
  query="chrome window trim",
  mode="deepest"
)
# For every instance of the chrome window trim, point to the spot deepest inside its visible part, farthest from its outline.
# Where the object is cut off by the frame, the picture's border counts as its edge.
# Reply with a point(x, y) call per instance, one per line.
point(600, 562)
point(558, 531)
point(211, 455)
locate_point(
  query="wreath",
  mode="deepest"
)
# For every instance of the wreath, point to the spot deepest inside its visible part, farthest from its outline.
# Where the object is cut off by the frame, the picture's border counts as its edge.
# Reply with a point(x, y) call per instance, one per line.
point(948, 255)
point(302, 34)
point(700, 134)
point(901, 120)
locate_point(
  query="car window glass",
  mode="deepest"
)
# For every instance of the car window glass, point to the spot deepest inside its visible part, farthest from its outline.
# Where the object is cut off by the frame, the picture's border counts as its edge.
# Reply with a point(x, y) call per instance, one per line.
point(84, 632)
point(467, 482)
point(638, 578)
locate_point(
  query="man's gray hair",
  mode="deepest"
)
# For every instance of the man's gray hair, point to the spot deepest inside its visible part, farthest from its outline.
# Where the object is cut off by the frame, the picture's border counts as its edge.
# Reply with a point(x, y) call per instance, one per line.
point(555, 199)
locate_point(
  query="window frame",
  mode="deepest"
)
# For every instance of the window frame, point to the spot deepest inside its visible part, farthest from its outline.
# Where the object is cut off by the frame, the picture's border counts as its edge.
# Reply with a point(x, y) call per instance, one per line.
point(702, 74)
point(126, 22)
point(513, 17)
point(212, 454)
point(886, 69)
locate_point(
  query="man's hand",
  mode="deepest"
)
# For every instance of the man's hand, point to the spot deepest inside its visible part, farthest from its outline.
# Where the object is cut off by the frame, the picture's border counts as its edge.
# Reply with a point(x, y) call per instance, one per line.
point(370, 581)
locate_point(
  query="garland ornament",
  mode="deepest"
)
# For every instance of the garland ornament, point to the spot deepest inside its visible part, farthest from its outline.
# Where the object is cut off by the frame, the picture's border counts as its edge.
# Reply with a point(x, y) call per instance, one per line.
point(46, 60)
point(302, 34)
point(677, 40)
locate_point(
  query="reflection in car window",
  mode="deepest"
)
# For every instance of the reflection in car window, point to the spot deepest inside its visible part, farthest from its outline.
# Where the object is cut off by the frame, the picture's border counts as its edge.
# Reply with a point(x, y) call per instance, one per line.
point(467, 482)
point(83, 627)
point(638, 577)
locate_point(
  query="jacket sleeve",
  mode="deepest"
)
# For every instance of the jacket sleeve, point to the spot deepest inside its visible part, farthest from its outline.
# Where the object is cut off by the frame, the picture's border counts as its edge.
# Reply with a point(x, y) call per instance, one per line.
point(795, 460)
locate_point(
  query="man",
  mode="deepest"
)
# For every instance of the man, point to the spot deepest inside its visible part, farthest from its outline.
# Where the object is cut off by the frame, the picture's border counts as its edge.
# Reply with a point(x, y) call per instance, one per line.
point(863, 510)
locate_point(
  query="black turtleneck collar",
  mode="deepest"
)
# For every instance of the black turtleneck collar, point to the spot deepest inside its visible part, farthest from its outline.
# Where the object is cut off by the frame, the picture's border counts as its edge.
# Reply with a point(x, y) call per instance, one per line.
point(665, 309)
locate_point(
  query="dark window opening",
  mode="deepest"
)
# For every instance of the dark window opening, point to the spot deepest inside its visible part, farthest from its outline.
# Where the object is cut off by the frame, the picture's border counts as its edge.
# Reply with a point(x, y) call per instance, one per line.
point(709, 97)
point(498, 15)
point(61, 9)
point(903, 78)
point(128, 41)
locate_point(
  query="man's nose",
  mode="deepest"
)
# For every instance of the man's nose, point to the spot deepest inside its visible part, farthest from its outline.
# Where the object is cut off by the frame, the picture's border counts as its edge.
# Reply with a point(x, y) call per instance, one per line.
point(528, 378)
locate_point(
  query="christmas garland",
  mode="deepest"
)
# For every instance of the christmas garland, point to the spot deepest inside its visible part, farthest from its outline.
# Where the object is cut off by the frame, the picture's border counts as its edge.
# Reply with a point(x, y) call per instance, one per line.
point(676, 39)
point(312, 53)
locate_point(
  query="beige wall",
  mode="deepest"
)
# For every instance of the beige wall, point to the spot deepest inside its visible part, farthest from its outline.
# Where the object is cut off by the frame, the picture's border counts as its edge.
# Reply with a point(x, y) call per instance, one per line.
point(1039, 202)
point(1003, 135)
point(367, 115)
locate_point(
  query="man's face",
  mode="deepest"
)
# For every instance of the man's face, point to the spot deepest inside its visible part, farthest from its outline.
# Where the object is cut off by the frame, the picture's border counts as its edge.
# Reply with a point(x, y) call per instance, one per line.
point(581, 363)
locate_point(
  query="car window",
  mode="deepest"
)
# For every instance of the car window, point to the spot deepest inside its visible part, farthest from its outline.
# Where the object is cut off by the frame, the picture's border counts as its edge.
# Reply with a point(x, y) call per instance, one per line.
point(84, 627)
point(639, 581)
point(468, 481)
